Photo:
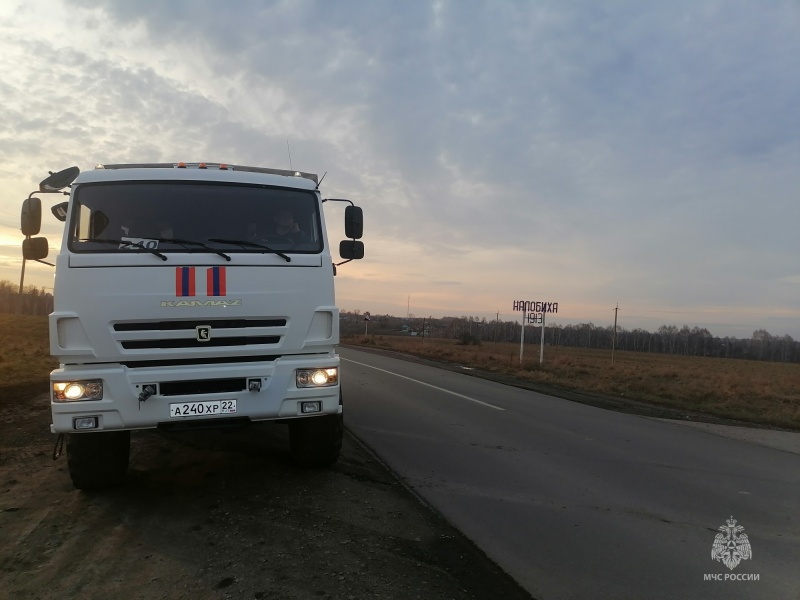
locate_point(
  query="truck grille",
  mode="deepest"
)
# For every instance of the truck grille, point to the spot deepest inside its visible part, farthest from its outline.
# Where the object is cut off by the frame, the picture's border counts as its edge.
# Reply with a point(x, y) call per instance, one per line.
point(191, 325)
point(182, 362)
point(214, 343)
point(164, 335)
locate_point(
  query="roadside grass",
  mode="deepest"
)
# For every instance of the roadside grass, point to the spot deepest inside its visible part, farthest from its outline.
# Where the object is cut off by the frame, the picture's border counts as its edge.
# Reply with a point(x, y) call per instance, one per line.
point(25, 359)
point(759, 392)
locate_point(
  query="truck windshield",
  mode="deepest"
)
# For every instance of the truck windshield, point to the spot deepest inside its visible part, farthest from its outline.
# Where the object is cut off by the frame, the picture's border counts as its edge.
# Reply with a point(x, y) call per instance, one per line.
point(165, 216)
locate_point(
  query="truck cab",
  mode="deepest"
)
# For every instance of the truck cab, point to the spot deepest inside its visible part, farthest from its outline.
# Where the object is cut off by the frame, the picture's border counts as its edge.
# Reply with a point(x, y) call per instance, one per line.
point(194, 295)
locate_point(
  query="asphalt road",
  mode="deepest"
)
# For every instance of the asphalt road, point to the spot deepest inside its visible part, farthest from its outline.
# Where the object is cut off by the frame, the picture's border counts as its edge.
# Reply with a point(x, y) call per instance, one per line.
point(575, 501)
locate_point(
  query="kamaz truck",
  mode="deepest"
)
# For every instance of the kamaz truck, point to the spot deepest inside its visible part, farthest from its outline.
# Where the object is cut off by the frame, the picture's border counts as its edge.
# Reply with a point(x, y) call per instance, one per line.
point(191, 296)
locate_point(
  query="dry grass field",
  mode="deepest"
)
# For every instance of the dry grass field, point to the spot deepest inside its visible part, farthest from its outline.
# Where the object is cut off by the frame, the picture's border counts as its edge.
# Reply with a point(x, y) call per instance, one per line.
point(25, 360)
point(758, 392)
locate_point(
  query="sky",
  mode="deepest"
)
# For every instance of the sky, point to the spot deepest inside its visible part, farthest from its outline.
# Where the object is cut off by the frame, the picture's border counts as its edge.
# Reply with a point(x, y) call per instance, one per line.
point(639, 154)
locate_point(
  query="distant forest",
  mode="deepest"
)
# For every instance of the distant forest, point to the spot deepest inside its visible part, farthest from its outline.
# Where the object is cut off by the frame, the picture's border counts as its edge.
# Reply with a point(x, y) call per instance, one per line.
point(667, 339)
point(34, 301)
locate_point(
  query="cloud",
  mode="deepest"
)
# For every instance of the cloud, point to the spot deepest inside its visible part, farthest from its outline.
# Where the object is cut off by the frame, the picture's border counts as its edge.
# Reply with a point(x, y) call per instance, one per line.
point(603, 152)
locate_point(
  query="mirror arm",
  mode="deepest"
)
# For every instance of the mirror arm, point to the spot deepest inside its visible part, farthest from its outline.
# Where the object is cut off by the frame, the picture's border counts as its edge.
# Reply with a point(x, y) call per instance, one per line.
point(338, 200)
point(44, 262)
point(47, 192)
point(343, 262)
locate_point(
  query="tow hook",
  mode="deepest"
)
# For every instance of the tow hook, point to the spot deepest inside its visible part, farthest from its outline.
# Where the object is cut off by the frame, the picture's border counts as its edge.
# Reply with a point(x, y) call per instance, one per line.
point(148, 391)
point(59, 448)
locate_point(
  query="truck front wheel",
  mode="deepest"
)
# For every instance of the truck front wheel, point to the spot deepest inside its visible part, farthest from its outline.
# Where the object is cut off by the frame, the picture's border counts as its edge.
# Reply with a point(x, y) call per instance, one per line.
point(98, 460)
point(316, 441)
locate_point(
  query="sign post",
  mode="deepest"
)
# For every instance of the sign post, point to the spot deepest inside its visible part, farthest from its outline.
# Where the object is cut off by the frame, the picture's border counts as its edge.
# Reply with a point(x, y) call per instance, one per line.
point(366, 323)
point(541, 346)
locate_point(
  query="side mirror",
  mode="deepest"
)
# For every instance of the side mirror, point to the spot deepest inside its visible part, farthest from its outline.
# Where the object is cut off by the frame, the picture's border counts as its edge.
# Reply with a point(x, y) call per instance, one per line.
point(354, 222)
point(31, 218)
point(35, 248)
point(351, 249)
point(58, 181)
point(60, 211)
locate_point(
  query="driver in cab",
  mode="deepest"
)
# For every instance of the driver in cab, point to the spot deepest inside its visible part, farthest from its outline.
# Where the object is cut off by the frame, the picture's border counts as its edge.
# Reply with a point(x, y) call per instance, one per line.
point(285, 227)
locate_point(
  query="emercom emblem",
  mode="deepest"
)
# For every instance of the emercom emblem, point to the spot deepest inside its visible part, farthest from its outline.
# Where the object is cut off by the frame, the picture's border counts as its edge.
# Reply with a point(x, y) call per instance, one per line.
point(731, 546)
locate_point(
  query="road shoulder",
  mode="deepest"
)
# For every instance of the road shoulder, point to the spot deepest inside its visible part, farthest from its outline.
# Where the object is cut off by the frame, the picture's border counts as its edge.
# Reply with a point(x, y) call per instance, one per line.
point(217, 515)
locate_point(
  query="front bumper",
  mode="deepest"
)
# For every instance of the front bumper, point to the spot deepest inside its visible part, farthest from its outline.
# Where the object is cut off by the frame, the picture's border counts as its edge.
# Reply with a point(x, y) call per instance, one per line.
point(121, 408)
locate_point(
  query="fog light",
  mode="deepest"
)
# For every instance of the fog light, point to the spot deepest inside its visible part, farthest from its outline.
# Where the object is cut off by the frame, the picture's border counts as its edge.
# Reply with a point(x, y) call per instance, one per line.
point(84, 423)
point(310, 407)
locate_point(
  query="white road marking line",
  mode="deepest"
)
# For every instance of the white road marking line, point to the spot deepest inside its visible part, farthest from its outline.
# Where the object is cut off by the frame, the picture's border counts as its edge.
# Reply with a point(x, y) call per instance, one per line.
point(436, 387)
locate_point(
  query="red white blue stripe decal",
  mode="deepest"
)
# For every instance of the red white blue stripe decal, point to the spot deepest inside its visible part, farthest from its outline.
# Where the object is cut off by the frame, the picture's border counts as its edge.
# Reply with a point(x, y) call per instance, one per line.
point(184, 281)
point(216, 281)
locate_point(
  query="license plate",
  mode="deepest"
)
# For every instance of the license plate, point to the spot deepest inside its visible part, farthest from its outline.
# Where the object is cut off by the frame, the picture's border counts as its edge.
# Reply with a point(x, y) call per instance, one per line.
point(207, 407)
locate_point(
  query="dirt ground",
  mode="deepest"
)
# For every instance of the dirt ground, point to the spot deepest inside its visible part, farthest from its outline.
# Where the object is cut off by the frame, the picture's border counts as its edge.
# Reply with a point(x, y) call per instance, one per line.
point(207, 515)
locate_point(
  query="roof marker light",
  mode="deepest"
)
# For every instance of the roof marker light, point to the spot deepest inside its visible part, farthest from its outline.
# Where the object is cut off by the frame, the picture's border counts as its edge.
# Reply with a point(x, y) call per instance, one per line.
point(181, 165)
point(202, 166)
point(223, 167)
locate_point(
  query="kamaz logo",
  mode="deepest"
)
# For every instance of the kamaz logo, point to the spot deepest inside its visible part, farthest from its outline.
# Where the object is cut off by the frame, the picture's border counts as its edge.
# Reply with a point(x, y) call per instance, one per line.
point(194, 303)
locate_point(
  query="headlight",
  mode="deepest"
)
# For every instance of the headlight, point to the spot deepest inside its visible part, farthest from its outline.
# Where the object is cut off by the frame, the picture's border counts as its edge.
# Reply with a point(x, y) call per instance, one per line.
point(317, 377)
point(72, 391)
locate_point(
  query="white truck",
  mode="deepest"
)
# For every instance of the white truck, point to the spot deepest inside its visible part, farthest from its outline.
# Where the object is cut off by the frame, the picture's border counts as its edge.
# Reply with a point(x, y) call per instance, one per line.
point(191, 296)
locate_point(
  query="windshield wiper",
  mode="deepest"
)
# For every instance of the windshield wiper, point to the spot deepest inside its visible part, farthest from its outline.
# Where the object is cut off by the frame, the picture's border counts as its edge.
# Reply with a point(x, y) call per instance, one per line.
point(187, 243)
point(119, 243)
point(249, 244)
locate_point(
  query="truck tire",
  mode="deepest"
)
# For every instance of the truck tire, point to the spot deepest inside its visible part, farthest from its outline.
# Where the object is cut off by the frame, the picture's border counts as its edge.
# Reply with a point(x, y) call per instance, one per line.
point(316, 441)
point(98, 460)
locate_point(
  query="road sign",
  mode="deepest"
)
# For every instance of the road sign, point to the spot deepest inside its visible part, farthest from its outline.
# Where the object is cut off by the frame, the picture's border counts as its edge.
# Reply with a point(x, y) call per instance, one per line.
point(533, 313)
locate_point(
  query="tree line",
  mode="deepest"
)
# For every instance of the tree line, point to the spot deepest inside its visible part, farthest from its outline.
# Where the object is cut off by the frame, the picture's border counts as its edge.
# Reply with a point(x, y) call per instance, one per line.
point(667, 339)
point(32, 301)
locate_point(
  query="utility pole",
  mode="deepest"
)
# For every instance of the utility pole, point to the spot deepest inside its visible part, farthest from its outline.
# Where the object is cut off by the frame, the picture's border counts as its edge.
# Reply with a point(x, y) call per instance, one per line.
point(614, 337)
point(20, 297)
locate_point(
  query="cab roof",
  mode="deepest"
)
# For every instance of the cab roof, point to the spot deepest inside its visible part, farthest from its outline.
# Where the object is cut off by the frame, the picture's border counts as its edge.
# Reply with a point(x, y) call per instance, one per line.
point(199, 172)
